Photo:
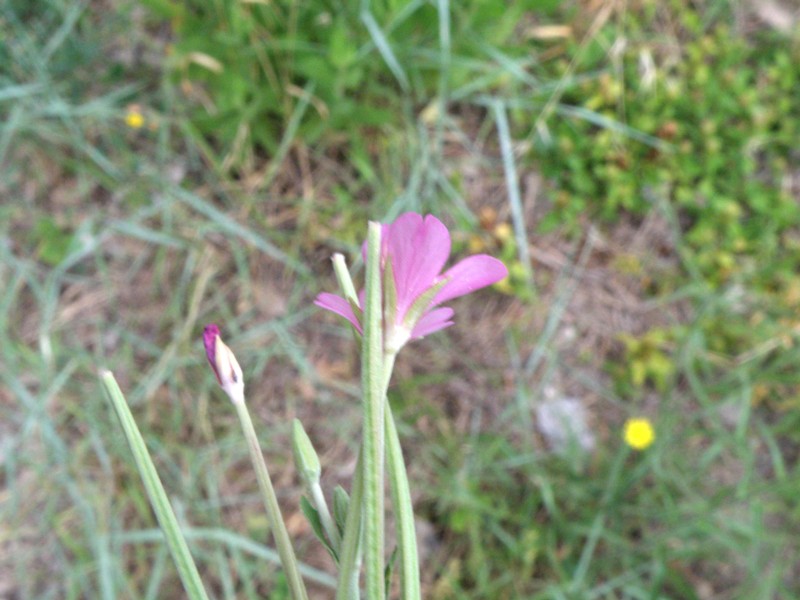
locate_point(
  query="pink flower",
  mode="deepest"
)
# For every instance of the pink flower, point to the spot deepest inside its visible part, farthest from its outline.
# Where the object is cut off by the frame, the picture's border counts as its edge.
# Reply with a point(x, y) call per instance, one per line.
point(416, 250)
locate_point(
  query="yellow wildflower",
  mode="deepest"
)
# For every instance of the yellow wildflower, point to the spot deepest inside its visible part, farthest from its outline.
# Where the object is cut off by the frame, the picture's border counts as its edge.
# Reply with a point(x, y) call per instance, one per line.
point(134, 119)
point(639, 433)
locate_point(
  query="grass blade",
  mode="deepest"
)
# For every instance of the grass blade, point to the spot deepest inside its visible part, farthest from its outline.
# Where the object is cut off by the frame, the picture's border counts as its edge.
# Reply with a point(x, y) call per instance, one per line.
point(231, 227)
point(514, 200)
point(385, 49)
point(187, 570)
point(233, 542)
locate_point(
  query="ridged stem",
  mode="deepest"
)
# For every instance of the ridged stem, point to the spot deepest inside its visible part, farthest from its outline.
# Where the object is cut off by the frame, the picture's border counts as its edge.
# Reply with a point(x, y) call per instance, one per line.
point(372, 383)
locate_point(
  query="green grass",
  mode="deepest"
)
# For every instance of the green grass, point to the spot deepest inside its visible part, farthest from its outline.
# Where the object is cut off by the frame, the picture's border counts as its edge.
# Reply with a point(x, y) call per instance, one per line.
point(117, 245)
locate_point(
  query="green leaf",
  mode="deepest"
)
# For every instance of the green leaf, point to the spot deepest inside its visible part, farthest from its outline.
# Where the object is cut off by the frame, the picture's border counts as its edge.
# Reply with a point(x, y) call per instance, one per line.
point(187, 570)
point(389, 568)
point(316, 525)
point(341, 49)
point(53, 243)
point(167, 9)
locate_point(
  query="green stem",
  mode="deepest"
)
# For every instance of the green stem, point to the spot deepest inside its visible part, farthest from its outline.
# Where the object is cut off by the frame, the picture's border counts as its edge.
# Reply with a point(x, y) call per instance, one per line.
point(401, 498)
point(372, 382)
point(403, 513)
point(284, 545)
point(347, 585)
point(318, 499)
point(347, 588)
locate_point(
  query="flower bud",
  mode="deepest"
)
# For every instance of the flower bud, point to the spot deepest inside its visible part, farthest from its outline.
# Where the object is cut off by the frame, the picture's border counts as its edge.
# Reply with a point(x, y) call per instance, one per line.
point(341, 504)
point(224, 363)
point(305, 457)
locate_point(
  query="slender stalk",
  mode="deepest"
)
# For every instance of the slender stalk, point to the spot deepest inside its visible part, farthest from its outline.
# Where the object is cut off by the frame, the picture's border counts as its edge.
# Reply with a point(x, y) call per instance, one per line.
point(403, 513)
point(284, 545)
point(347, 585)
point(310, 471)
point(318, 499)
point(187, 570)
point(372, 383)
point(410, 588)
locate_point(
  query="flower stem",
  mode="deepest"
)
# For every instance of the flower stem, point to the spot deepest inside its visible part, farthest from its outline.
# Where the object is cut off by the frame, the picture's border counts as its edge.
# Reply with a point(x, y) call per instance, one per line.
point(284, 545)
point(347, 585)
point(372, 383)
point(401, 499)
point(403, 512)
point(318, 500)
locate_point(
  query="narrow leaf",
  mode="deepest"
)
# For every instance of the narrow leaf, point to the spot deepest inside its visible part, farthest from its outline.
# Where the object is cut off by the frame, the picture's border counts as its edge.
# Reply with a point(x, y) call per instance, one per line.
point(187, 570)
point(390, 568)
point(316, 525)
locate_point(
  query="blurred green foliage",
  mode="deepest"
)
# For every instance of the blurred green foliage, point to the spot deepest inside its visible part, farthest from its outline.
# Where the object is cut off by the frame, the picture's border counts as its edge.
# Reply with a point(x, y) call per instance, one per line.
point(255, 70)
point(53, 243)
point(701, 126)
point(723, 119)
point(647, 359)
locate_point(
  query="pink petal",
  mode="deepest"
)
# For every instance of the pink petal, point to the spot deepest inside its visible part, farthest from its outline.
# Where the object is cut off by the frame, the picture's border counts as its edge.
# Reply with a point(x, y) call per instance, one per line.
point(418, 256)
point(210, 335)
point(401, 240)
point(472, 273)
point(437, 319)
point(338, 305)
point(419, 247)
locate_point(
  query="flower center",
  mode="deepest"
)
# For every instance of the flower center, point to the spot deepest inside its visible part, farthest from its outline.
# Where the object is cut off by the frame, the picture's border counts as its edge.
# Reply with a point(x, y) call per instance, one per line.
point(396, 337)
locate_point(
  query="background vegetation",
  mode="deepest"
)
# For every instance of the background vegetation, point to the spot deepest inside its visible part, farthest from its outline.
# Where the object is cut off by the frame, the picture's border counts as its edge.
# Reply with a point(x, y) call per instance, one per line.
point(170, 163)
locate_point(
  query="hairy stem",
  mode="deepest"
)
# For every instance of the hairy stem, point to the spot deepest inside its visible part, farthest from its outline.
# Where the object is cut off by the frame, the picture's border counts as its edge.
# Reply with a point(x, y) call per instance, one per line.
point(372, 379)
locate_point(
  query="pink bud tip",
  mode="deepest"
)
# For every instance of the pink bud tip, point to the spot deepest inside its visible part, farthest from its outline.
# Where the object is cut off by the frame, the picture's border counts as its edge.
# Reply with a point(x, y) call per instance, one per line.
point(210, 335)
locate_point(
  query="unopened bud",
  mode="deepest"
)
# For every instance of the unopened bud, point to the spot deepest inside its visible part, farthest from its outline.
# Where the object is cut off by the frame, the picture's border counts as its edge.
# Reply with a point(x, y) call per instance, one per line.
point(224, 364)
point(341, 504)
point(305, 457)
